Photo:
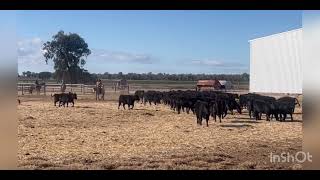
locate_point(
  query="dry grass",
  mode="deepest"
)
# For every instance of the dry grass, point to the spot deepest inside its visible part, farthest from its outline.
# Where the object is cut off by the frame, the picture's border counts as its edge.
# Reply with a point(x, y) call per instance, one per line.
point(96, 135)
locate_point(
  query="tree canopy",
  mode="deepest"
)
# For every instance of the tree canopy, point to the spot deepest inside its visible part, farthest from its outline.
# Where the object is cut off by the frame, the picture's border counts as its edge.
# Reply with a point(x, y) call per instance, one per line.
point(68, 53)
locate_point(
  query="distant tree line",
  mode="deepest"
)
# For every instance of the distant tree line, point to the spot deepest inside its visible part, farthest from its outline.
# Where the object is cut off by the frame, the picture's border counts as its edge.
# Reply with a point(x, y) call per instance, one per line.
point(84, 76)
point(174, 77)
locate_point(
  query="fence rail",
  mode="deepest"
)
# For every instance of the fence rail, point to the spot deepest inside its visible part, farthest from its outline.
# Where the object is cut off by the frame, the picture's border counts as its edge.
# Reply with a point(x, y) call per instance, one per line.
point(25, 88)
point(29, 88)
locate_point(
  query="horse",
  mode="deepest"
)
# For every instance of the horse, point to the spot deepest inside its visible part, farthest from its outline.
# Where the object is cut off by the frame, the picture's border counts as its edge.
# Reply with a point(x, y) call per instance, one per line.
point(38, 88)
point(99, 91)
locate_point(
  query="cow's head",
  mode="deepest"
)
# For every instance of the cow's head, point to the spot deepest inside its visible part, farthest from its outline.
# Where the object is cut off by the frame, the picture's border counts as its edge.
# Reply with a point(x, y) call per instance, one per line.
point(238, 107)
point(136, 98)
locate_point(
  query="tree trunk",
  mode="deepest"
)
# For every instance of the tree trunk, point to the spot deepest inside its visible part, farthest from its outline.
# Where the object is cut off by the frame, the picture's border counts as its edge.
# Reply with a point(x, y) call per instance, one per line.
point(64, 76)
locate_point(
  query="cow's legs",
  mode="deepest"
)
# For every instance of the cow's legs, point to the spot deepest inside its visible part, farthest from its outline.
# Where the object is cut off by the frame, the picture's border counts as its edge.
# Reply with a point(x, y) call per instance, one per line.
point(207, 120)
point(119, 105)
point(179, 109)
point(256, 115)
point(268, 117)
point(281, 118)
point(285, 117)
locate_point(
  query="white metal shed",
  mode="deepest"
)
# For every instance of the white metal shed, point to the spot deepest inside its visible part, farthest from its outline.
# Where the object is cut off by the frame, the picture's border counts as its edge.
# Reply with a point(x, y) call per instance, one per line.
point(276, 63)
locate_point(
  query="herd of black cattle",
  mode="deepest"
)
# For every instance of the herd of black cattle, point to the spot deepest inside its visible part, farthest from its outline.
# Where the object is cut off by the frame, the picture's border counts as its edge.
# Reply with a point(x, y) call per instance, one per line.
point(216, 104)
point(205, 104)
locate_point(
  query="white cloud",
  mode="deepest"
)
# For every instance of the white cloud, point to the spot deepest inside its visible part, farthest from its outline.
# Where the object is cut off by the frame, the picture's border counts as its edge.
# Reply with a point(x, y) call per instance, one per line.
point(119, 57)
point(215, 63)
point(207, 62)
point(30, 51)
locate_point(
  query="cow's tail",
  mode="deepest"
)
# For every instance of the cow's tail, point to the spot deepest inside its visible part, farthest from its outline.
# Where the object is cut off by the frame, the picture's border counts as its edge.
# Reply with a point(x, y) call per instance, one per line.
point(297, 101)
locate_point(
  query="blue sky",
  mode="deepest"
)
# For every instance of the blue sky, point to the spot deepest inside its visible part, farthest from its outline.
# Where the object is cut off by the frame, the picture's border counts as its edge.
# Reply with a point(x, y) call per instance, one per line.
point(153, 41)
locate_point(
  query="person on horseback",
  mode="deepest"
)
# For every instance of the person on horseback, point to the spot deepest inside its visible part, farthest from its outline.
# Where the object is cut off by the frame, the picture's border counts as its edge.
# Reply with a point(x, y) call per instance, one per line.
point(37, 86)
point(98, 88)
point(63, 86)
point(99, 84)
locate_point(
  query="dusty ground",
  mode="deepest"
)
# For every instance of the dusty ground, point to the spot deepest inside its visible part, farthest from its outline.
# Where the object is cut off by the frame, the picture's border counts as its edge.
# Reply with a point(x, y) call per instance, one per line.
point(96, 135)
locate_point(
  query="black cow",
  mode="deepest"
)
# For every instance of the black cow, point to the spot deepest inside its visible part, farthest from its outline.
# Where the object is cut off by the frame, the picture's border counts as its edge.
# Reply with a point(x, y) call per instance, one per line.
point(285, 108)
point(288, 99)
point(233, 105)
point(243, 100)
point(66, 98)
point(140, 93)
point(151, 96)
point(56, 98)
point(128, 99)
point(189, 104)
point(218, 108)
point(202, 111)
point(264, 107)
point(253, 97)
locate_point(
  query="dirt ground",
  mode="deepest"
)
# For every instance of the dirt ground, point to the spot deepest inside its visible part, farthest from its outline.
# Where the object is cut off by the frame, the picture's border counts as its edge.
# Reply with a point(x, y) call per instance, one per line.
point(96, 135)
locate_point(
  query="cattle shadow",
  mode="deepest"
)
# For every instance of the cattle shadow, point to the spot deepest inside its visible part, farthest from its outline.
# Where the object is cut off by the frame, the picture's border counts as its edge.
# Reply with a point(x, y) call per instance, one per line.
point(137, 109)
point(148, 114)
point(144, 109)
point(245, 121)
point(236, 125)
point(289, 121)
point(83, 107)
point(248, 118)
